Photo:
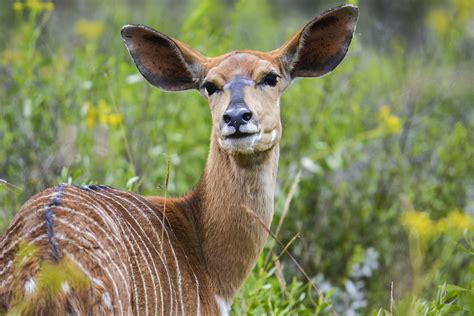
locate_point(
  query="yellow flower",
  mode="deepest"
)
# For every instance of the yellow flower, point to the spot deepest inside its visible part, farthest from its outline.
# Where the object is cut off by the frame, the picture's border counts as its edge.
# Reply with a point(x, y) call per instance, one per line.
point(101, 114)
point(114, 119)
point(89, 29)
point(389, 122)
point(420, 224)
point(439, 21)
point(393, 125)
point(18, 6)
point(34, 6)
point(459, 220)
point(464, 9)
point(38, 6)
point(103, 118)
point(91, 115)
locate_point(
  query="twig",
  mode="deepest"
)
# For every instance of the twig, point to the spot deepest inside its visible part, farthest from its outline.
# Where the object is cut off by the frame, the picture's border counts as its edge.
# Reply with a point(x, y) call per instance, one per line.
point(391, 299)
point(310, 281)
point(286, 248)
point(10, 187)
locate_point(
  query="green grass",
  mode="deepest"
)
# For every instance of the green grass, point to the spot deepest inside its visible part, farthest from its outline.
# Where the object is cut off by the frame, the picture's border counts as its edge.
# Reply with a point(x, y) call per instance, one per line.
point(384, 144)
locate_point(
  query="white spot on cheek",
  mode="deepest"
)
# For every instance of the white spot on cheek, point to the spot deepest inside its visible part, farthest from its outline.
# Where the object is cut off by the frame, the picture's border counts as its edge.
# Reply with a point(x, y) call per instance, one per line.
point(30, 286)
point(224, 307)
point(274, 135)
point(66, 288)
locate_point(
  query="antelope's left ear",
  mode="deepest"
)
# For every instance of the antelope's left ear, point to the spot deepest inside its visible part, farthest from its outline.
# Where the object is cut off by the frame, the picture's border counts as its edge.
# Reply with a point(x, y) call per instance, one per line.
point(320, 45)
point(164, 61)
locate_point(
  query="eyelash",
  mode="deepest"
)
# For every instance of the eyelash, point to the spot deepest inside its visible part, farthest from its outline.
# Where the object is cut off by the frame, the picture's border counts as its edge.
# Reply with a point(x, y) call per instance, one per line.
point(210, 88)
point(270, 79)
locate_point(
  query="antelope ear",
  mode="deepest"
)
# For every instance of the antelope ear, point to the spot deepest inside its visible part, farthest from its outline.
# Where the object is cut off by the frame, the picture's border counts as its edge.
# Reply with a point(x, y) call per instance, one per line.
point(165, 62)
point(320, 45)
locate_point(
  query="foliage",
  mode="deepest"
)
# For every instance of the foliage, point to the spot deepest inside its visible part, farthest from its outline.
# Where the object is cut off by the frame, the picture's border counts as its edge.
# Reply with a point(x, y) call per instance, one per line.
point(51, 279)
point(384, 144)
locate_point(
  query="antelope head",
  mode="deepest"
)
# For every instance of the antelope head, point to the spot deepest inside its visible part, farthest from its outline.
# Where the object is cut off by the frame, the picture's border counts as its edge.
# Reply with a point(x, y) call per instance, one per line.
point(243, 87)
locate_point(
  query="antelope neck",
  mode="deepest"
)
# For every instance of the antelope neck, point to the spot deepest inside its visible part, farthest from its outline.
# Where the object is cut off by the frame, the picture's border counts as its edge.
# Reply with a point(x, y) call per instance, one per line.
point(230, 237)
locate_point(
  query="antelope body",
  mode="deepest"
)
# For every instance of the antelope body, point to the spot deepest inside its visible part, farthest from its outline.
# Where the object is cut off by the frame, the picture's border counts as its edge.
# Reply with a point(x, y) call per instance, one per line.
point(98, 250)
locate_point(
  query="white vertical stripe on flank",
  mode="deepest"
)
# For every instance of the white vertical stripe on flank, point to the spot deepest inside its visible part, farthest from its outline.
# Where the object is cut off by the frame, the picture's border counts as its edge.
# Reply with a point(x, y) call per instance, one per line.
point(112, 238)
point(112, 212)
point(130, 238)
point(4, 282)
point(146, 248)
point(198, 300)
point(104, 261)
point(19, 218)
point(18, 240)
point(92, 254)
point(99, 282)
point(6, 266)
point(161, 220)
point(165, 267)
point(82, 202)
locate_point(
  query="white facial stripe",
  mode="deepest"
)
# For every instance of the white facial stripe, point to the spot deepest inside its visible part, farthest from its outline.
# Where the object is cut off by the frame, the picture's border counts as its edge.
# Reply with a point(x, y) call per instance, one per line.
point(247, 82)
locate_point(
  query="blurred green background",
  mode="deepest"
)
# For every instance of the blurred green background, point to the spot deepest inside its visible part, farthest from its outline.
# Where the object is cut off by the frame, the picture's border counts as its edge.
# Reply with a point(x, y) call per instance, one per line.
point(377, 166)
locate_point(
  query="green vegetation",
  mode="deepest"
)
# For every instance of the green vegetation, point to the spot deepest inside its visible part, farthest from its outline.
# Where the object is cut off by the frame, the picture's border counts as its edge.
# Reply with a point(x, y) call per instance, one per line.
point(377, 158)
point(51, 279)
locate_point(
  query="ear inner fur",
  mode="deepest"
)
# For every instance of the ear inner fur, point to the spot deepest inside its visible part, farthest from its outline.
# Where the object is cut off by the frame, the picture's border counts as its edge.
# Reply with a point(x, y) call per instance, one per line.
point(321, 44)
point(164, 62)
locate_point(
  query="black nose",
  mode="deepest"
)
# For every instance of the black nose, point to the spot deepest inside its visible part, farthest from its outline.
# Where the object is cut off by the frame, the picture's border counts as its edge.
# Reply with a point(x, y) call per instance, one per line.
point(237, 116)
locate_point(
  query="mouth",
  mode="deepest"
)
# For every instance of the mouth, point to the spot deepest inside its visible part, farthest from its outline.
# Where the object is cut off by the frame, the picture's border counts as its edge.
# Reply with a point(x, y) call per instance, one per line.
point(240, 142)
point(239, 135)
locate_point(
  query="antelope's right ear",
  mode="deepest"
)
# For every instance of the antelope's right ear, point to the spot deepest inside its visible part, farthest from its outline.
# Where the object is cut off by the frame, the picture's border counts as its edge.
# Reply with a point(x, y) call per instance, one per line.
point(165, 62)
point(319, 46)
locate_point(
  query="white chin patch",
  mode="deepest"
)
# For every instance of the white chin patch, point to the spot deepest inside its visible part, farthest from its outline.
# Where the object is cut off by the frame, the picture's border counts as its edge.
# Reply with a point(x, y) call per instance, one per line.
point(242, 145)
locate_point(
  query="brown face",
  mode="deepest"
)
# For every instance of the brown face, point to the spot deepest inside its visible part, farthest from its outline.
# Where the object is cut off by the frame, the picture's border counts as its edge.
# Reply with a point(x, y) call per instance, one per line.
point(243, 88)
point(243, 92)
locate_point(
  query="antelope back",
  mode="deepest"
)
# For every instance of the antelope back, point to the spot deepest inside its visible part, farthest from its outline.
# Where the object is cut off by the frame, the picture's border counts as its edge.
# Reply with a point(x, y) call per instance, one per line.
point(119, 252)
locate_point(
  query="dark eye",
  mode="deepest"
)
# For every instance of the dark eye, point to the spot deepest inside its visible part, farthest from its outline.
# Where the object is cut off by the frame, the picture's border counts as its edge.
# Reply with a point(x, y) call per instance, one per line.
point(210, 88)
point(270, 79)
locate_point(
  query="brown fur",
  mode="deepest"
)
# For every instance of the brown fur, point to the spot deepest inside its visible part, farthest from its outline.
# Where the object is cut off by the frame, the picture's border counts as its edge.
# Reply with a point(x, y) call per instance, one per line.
point(176, 255)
